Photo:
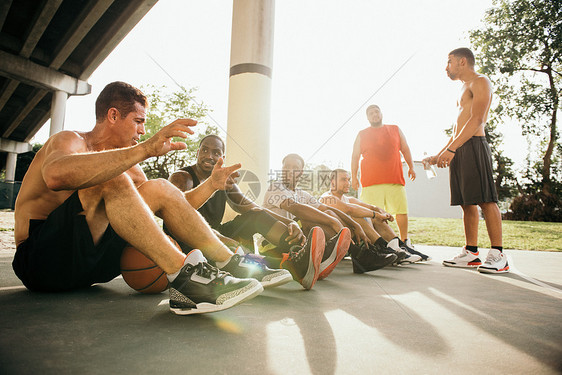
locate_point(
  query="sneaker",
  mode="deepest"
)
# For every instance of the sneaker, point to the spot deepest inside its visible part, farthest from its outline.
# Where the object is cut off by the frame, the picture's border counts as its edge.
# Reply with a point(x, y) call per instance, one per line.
point(496, 262)
point(412, 250)
point(466, 259)
point(410, 258)
point(245, 266)
point(304, 262)
point(201, 288)
point(365, 259)
point(335, 250)
point(393, 247)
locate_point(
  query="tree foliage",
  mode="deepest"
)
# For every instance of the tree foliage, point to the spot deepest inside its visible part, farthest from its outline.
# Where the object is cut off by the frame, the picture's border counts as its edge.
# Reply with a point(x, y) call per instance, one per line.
point(519, 48)
point(164, 108)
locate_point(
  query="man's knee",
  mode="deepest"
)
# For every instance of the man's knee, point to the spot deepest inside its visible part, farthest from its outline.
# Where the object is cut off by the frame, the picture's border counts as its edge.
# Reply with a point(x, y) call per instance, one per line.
point(159, 187)
point(118, 186)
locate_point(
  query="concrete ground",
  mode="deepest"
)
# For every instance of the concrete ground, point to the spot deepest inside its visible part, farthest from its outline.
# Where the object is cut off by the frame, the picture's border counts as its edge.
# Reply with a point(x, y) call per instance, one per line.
point(417, 319)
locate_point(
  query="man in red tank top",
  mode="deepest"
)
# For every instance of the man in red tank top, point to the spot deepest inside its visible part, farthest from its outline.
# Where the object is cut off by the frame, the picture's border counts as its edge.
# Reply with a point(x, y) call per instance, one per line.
point(380, 148)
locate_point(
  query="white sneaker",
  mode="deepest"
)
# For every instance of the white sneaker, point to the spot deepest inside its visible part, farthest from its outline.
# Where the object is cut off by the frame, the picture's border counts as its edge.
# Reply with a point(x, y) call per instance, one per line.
point(466, 259)
point(496, 262)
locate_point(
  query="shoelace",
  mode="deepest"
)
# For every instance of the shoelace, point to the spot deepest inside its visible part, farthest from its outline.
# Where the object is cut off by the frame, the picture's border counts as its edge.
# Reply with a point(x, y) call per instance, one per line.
point(208, 271)
point(492, 258)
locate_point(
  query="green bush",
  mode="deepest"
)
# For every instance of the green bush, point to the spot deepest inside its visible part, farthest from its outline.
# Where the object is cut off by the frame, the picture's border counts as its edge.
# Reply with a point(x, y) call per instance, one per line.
point(535, 207)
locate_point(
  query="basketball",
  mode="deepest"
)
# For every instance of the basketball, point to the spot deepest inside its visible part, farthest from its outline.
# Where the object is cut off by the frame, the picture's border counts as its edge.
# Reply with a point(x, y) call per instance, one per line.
point(141, 273)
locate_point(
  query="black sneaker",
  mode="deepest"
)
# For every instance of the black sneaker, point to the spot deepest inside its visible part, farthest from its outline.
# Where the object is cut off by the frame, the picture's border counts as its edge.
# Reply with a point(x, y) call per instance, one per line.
point(412, 250)
point(304, 262)
point(201, 288)
point(334, 251)
point(245, 266)
point(400, 253)
point(410, 257)
point(365, 259)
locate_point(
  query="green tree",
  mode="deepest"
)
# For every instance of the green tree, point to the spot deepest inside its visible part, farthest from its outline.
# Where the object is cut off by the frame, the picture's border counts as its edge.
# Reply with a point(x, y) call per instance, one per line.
point(165, 107)
point(519, 48)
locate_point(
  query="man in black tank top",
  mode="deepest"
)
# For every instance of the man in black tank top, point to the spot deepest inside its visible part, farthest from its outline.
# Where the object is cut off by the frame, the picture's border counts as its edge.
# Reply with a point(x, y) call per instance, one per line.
point(280, 231)
point(291, 252)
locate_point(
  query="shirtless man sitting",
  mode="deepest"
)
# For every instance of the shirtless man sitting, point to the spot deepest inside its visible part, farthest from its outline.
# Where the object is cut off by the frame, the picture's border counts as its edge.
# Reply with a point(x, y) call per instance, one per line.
point(85, 196)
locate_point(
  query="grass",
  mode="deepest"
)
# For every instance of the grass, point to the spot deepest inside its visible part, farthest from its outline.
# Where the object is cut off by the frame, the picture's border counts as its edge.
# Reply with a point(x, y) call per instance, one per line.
point(523, 235)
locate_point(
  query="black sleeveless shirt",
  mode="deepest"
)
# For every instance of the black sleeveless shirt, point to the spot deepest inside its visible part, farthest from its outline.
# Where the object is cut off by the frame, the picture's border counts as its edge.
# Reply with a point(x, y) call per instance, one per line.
point(213, 209)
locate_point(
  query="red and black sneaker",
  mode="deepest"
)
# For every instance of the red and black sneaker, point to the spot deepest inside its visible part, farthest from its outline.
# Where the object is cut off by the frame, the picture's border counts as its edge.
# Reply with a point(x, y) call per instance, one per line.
point(304, 262)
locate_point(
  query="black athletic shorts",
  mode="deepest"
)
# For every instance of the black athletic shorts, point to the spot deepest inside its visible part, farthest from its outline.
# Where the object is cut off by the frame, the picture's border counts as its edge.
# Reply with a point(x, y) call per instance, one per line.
point(243, 226)
point(60, 254)
point(470, 174)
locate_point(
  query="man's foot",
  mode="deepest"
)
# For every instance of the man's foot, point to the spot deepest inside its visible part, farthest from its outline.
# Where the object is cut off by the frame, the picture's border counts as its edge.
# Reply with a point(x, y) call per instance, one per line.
point(201, 288)
point(304, 262)
point(412, 250)
point(365, 259)
point(496, 262)
point(245, 266)
point(466, 259)
point(335, 250)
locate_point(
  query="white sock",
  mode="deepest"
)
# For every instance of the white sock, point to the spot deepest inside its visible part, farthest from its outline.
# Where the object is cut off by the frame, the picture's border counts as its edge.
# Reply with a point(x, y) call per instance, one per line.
point(394, 244)
point(172, 276)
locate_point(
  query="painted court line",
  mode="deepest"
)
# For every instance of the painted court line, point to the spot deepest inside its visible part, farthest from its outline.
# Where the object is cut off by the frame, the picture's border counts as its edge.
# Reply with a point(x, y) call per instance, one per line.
point(514, 270)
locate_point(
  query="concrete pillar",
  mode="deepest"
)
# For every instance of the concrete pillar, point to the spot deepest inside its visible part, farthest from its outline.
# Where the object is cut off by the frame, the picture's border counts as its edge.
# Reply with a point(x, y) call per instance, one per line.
point(249, 95)
point(11, 160)
point(58, 111)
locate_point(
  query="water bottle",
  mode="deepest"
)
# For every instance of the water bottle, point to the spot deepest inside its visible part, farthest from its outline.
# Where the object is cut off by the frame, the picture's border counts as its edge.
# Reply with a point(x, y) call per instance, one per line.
point(429, 169)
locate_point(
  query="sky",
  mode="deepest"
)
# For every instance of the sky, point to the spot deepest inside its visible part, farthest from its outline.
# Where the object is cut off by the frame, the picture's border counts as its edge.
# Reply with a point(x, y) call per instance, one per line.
point(331, 60)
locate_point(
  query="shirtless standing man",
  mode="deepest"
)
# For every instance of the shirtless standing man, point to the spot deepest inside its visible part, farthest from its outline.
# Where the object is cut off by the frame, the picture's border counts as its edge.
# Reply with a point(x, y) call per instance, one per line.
point(468, 157)
point(84, 197)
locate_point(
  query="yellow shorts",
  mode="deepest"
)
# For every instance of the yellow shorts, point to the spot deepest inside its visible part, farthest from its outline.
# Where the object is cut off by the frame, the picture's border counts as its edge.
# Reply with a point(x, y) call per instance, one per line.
point(389, 197)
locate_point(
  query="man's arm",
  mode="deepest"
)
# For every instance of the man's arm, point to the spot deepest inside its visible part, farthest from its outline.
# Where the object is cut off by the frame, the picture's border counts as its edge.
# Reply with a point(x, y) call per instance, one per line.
point(481, 98)
point(347, 208)
point(405, 150)
point(348, 222)
point(221, 179)
point(355, 156)
point(309, 213)
point(70, 165)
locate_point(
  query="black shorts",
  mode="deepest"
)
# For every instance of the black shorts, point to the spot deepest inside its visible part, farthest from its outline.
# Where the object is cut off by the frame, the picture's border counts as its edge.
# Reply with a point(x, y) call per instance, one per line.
point(242, 227)
point(60, 254)
point(471, 174)
point(246, 225)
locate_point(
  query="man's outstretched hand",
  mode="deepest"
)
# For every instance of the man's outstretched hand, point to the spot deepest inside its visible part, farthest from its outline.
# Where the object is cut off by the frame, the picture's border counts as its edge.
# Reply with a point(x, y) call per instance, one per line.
point(161, 143)
point(223, 178)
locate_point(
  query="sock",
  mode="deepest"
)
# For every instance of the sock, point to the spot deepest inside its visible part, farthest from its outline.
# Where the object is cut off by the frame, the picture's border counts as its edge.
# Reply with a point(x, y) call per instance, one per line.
point(395, 243)
point(172, 276)
point(500, 248)
point(472, 249)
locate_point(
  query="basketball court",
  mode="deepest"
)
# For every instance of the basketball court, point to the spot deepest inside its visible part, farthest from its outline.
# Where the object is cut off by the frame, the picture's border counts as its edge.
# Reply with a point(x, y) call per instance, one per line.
point(423, 318)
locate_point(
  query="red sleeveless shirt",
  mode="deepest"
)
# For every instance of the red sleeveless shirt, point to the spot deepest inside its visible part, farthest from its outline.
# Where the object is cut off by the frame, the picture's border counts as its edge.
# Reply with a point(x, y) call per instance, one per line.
point(381, 162)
